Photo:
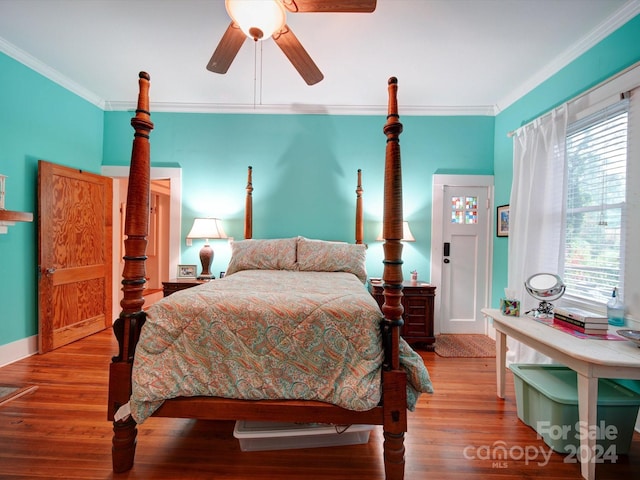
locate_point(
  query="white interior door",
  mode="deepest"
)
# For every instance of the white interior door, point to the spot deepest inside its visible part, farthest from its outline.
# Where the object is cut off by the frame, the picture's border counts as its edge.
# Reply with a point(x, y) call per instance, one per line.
point(462, 252)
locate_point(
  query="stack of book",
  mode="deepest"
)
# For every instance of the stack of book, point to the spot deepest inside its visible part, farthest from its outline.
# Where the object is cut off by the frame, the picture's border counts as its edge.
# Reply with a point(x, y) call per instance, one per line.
point(580, 320)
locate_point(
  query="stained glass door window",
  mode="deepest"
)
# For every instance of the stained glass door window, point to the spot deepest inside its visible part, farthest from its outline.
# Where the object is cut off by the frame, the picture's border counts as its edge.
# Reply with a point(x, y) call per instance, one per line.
point(464, 210)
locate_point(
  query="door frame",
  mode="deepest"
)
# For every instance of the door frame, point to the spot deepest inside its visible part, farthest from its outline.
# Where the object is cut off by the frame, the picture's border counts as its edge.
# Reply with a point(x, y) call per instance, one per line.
point(437, 221)
point(174, 174)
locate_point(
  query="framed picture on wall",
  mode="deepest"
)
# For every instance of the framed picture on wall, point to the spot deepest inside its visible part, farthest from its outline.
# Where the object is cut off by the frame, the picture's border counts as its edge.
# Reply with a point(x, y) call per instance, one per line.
point(502, 221)
point(187, 271)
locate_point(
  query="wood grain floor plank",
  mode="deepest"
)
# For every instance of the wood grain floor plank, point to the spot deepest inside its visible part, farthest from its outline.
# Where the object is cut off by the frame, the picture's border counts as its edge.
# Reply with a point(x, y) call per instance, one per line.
point(60, 431)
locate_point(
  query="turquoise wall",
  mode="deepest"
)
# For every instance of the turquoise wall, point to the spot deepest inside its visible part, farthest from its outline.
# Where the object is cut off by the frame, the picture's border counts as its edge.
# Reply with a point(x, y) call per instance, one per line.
point(39, 121)
point(304, 172)
point(618, 51)
point(312, 158)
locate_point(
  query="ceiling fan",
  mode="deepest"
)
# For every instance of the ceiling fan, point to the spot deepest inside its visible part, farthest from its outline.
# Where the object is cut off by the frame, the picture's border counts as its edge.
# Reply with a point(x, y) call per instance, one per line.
point(261, 19)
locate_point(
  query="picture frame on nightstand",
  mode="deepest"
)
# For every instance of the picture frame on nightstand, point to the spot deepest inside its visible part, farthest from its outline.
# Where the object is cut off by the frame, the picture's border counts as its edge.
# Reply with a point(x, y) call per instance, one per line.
point(187, 271)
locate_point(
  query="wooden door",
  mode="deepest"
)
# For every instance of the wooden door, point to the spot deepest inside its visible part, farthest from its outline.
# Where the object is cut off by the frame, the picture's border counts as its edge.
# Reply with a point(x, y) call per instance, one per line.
point(74, 254)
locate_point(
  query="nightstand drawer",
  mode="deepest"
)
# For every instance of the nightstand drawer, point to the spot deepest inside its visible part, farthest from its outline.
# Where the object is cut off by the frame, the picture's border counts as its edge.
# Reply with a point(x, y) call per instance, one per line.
point(177, 284)
point(417, 301)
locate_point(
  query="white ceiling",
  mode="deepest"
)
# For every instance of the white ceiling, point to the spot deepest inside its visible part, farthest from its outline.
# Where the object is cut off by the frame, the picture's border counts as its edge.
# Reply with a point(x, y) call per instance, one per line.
point(450, 56)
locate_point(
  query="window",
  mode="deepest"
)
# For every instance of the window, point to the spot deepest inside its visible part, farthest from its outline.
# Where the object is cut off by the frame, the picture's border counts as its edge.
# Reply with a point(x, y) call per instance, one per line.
point(595, 216)
point(464, 210)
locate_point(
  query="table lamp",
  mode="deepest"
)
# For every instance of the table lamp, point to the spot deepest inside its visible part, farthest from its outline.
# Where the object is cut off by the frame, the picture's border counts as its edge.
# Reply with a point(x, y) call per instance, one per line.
point(207, 228)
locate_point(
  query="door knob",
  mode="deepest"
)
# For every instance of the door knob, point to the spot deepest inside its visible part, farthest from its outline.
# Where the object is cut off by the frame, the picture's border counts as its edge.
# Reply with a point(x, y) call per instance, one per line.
point(50, 271)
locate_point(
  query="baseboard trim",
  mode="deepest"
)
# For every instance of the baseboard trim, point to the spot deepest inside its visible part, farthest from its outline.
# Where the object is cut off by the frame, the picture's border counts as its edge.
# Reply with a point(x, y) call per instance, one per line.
point(14, 351)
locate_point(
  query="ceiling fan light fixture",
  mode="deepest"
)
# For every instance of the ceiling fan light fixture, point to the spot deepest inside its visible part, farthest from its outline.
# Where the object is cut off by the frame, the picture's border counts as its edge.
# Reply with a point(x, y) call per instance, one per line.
point(258, 19)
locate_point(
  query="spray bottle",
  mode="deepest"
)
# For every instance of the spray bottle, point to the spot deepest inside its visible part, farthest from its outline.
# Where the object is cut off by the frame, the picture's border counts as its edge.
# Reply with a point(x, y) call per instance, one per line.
point(615, 309)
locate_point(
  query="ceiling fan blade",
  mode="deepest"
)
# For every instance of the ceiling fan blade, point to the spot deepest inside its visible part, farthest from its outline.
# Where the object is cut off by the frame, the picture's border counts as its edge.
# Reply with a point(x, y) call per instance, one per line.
point(346, 6)
point(227, 49)
point(298, 56)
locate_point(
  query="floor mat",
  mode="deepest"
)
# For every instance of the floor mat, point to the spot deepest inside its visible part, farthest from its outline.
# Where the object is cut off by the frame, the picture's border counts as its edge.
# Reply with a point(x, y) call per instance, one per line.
point(11, 392)
point(465, 345)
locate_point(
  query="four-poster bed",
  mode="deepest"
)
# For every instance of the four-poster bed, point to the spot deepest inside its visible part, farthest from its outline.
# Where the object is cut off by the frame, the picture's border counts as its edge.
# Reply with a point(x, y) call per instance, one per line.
point(365, 365)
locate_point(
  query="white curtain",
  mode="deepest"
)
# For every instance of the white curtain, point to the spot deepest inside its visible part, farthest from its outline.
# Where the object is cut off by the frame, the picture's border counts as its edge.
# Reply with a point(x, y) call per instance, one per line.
point(631, 274)
point(536, 212)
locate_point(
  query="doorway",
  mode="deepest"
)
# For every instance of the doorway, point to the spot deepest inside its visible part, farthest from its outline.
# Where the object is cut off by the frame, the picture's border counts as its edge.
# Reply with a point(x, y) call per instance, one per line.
point(461, 251)
point(157, 264)
point(166, 201)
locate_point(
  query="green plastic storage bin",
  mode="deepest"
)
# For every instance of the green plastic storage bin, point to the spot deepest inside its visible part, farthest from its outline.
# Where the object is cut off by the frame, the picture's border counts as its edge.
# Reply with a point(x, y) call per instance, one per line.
point(547, 401)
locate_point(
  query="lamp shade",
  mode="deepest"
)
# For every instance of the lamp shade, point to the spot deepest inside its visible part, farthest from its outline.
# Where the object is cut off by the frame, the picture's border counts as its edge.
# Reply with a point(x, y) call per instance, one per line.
point(258, 19)
point(207, 228)
point(407, 236)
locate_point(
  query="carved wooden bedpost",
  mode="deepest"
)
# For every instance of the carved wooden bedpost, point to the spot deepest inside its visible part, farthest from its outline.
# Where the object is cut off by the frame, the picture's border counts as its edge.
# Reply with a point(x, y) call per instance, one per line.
point(359, 211)
point(127, 326)
point(394, 379)
point(248, 207)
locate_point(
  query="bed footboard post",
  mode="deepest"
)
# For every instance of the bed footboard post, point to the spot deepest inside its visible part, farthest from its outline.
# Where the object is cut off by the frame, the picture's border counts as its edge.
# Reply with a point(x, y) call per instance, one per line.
point(359, 210)
point(394, 379)
point(395, 422)
point(248, 206)
point(128, 325)
point(123, 448)
point(392, 233)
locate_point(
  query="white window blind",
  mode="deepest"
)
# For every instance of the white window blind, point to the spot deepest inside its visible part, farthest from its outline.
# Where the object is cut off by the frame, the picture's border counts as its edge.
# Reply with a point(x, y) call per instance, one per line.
point(595, 216)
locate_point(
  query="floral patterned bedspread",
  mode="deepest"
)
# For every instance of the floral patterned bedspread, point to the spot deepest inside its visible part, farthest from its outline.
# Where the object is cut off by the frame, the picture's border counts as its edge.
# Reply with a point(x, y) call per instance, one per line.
point(267, 335)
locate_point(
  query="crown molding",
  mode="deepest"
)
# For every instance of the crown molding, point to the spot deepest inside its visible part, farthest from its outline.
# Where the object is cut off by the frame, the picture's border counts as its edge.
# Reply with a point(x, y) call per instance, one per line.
point(300, 109)
point(615, 21)
point(282, 109)
point(305, 109)
point(49, 73)
point(622, 16)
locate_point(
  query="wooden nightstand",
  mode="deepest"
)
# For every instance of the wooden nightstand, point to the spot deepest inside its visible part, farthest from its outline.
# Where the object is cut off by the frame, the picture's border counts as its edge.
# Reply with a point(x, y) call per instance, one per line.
point(177, 284)
point(418, 298)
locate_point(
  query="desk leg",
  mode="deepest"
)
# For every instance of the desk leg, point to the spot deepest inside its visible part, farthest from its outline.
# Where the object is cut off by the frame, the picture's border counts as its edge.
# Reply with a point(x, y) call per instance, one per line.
point(588, 413)
point(501, 358)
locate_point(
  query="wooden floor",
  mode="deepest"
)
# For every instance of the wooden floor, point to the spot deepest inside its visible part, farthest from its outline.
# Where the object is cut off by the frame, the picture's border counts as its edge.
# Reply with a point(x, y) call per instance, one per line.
point(60, 431)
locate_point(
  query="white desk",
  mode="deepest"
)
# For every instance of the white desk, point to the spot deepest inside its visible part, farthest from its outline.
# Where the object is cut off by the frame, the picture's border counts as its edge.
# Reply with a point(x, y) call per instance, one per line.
point(591, 359)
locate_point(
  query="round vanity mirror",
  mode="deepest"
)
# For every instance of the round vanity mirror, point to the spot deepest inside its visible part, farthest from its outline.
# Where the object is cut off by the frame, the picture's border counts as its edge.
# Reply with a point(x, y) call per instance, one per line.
point(544, 287)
